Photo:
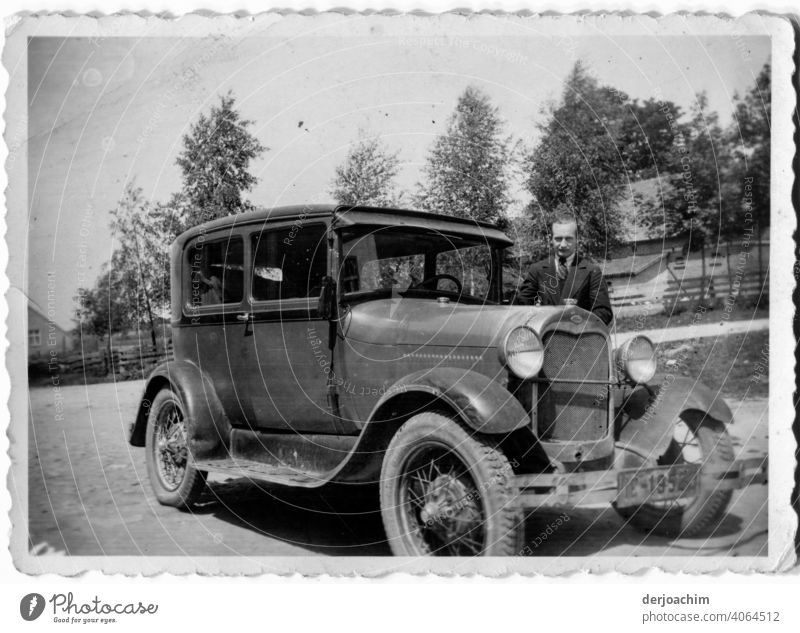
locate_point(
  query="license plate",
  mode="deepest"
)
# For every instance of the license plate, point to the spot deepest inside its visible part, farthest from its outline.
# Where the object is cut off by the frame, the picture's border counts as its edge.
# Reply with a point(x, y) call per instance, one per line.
point(648, 485)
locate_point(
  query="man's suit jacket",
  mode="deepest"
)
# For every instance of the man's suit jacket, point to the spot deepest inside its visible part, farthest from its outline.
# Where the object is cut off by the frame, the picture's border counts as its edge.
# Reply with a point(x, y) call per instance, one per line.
point(584, 283)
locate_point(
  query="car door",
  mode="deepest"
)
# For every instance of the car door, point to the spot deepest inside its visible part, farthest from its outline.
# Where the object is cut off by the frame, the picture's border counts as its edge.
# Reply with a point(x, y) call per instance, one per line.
point(214, 299)
point(288, 350)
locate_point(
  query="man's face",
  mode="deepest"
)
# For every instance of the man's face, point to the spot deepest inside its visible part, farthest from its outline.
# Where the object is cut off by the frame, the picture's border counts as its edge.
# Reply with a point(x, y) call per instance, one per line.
point(565, 238)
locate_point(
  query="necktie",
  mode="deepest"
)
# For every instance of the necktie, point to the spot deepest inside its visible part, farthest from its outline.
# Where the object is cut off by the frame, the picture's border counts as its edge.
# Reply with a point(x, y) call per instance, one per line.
point(562, 268)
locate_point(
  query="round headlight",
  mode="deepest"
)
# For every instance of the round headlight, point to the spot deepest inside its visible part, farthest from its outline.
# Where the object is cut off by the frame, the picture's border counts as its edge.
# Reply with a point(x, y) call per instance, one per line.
point(637, 359)
point(522, 352)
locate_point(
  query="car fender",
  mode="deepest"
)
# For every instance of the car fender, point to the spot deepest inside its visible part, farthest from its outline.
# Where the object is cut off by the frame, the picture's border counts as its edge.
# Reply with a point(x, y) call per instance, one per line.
point(208, 428)
point(480, 402)
point(646, 418)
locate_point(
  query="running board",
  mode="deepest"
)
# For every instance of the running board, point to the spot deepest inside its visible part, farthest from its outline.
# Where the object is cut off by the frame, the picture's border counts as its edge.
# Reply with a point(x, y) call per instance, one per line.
point(282, 475)
point(287, 459)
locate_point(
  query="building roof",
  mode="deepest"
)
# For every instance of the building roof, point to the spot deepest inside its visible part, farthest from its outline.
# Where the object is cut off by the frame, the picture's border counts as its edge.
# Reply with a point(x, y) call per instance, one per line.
point(32, 305)
point(629, 266)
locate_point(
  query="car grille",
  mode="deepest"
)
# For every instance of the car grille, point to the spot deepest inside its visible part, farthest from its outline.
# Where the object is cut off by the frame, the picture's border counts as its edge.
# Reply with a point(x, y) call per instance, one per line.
point(573, 411)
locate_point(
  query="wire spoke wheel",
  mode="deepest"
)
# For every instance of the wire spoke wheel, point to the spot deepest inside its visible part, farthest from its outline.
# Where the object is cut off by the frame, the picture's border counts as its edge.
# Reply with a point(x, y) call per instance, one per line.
point(171, 446)
point(175, 481)
point(441, 503)
point(446, 492)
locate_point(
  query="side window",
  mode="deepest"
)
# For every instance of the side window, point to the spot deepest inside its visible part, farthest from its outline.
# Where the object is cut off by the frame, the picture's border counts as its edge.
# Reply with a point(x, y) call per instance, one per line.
point(217, 272)
point(290, 262)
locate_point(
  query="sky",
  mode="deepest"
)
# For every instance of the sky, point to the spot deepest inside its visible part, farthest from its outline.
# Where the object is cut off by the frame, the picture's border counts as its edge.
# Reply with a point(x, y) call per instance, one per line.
point(103, 112)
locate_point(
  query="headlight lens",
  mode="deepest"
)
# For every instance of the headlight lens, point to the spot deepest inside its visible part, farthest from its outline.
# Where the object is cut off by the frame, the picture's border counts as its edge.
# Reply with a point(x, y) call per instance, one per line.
point(522, 352)
point(637, 359)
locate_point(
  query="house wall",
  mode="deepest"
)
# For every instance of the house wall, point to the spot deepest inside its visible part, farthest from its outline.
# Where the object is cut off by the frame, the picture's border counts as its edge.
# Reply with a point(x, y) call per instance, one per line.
point(44, 336)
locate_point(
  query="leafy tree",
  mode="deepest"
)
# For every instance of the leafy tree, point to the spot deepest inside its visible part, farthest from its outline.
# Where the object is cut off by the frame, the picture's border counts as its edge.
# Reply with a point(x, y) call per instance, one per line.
point(169, 220)
point(134, 286)
point(367, 175)
point(98, 310)
point(577, 165)
point(144, 233)
point(527, 230)
point(750, 136)
point(694, 198)
point(215, 161)
point(467, 170)
point(648, 138)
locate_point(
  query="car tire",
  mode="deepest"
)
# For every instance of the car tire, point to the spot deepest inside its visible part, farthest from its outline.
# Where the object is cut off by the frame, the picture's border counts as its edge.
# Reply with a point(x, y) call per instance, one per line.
point(445, 491)
point(697, 515)
point(175, 481)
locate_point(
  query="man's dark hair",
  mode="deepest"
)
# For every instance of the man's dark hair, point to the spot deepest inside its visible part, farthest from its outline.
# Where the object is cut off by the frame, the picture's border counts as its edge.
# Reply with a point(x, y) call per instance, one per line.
point(563, 217)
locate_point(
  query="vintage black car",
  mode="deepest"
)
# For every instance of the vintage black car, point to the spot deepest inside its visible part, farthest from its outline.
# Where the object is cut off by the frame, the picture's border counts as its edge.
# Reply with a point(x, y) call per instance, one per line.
point(323, 344)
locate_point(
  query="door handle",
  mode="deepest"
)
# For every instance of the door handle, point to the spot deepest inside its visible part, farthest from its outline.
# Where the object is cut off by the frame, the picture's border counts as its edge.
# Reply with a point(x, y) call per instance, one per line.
point(243, 317)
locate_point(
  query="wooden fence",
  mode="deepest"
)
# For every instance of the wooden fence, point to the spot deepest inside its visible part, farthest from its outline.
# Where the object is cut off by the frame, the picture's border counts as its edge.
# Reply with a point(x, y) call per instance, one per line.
point(681, 287)
point(695, 288)
point(125, 362)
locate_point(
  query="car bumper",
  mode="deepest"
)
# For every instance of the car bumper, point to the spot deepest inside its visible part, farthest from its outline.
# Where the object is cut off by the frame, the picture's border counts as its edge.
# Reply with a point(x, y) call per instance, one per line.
point(613, 486)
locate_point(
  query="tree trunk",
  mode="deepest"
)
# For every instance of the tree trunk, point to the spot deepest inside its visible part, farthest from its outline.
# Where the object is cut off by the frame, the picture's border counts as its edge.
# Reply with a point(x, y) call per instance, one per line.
point(145, 293)
point(760, 261)
point(152, 324)
point(728, 266)
point(703, 274)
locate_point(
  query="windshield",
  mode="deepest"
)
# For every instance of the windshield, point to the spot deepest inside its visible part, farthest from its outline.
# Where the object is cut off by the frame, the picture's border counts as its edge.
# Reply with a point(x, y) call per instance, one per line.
point(419, 263)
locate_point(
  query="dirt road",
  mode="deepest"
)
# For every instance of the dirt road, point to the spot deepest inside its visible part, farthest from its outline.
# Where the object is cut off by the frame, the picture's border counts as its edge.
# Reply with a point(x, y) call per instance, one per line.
point(89, 495)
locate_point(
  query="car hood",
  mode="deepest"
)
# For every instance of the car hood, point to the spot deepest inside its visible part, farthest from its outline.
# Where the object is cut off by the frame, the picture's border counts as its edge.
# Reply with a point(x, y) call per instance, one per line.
point(410, 321)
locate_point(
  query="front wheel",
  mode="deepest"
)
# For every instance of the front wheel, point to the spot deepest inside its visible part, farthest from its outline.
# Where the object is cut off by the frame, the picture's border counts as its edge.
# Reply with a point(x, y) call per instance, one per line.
point(696, 440)
point(175, 481)
point(445, 492)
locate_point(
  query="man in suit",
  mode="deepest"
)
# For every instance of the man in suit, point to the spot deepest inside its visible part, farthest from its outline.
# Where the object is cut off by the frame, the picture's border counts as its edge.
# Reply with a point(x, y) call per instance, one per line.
point(566, 276)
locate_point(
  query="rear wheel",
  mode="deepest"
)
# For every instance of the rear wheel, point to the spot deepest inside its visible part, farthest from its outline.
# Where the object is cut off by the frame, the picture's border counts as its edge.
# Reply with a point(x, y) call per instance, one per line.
point(696, 440)
point(176, 482)
point(445, 492)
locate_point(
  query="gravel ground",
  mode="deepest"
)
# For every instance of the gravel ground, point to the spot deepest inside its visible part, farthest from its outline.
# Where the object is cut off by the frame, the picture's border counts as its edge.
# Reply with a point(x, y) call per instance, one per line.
point(89, 495)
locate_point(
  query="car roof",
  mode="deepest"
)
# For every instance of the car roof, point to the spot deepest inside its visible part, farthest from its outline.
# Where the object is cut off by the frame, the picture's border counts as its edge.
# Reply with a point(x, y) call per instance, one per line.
point(346, 215)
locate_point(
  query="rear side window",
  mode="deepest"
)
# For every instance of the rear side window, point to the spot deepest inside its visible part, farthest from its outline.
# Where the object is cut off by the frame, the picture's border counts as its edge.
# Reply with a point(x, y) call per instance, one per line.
point(290, 262)
point(217, 272)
